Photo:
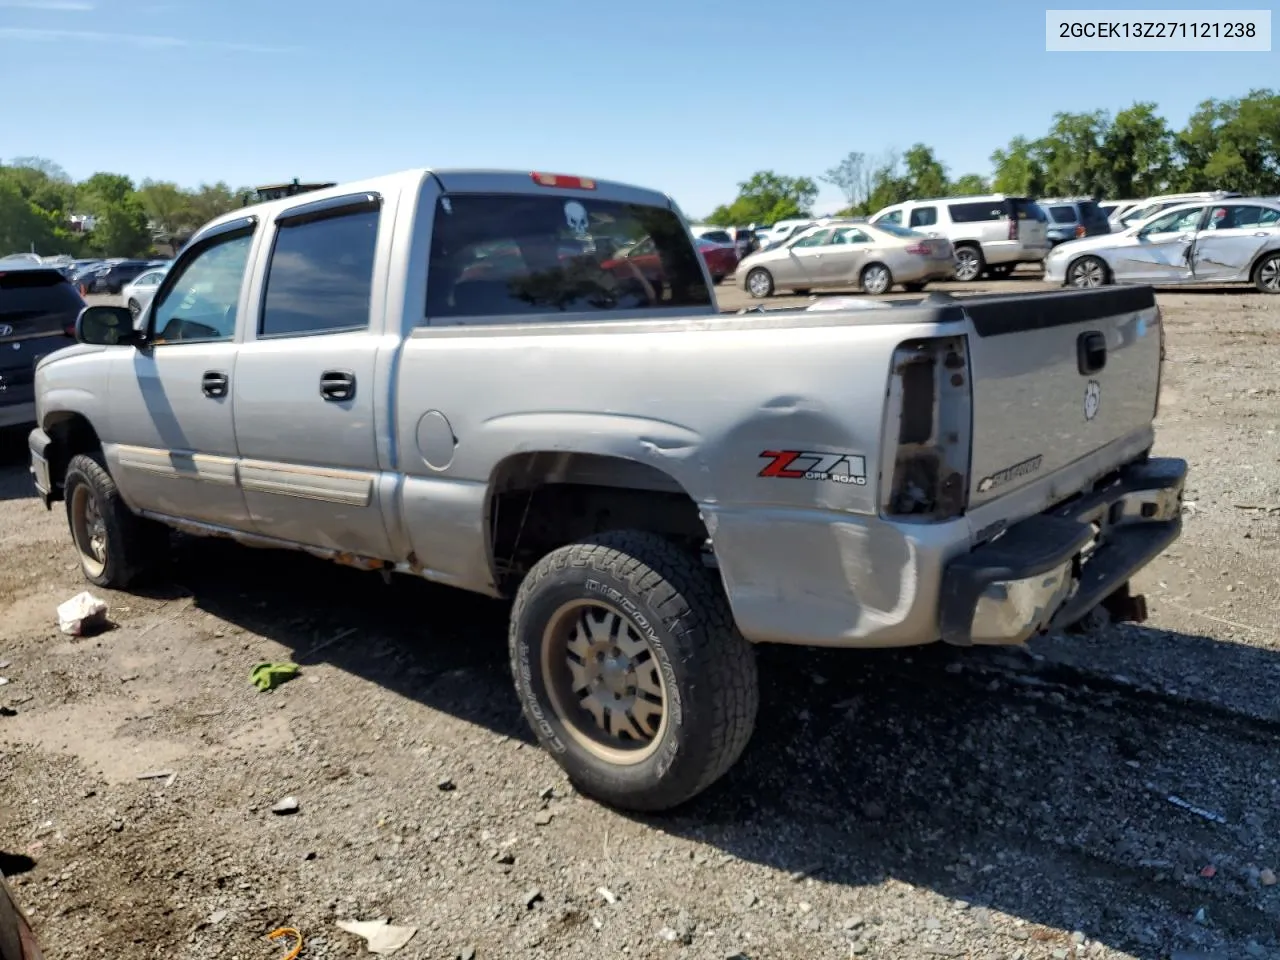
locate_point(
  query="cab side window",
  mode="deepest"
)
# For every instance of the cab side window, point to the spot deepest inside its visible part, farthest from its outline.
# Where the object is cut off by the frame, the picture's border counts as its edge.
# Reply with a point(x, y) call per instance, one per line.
point(320, 277)
point(200, 302)
point(924, 216)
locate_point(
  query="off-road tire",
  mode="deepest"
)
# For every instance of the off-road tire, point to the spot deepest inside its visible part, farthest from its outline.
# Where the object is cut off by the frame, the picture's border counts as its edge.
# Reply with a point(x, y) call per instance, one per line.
point(678, 606)
point(133, 544)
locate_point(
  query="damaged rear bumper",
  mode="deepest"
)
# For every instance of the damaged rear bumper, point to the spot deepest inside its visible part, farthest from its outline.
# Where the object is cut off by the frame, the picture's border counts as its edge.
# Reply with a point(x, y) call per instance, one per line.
point(1048, 571)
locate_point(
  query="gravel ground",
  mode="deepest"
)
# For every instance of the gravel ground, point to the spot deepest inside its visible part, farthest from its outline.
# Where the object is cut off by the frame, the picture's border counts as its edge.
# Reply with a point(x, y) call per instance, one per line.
point(1010, 804)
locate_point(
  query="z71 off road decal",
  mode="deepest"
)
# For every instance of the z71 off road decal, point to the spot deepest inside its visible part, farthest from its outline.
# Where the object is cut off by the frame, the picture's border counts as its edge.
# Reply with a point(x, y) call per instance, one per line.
point(812, 465)
point(1018, 470)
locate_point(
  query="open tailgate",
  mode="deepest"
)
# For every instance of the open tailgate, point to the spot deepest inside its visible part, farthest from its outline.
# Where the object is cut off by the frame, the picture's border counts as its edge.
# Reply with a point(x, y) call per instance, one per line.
point(1057, 376)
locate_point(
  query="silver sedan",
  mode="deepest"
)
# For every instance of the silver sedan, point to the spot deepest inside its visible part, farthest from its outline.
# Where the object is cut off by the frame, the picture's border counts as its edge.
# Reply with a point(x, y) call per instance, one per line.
point(139, 291)
point(849, 255)
point(1208, 241)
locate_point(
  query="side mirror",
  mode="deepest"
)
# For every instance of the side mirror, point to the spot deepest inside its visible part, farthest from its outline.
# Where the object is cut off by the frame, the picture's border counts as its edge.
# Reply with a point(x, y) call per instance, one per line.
point(106, 327)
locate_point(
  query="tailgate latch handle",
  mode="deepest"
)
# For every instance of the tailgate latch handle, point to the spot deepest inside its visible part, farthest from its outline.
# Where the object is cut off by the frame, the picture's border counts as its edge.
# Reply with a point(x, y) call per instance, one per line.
point(1091, 352)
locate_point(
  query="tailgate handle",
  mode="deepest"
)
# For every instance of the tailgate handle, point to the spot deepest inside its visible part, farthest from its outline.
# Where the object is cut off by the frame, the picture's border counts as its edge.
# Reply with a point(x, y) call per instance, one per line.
point(1091, 352)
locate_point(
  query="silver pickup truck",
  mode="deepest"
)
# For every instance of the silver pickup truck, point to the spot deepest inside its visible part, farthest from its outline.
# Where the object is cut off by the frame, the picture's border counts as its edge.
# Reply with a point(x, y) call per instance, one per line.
point(520, 385)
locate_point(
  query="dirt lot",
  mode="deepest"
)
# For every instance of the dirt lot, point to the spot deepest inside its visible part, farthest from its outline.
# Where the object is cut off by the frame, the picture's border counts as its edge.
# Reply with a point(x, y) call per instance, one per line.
point(999, 804)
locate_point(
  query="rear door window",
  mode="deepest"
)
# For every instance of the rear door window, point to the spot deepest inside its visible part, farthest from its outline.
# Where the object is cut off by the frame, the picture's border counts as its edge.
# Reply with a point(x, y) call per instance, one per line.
point(977, 212)
point(924, 216)
point(520, 254)
point(320, 278)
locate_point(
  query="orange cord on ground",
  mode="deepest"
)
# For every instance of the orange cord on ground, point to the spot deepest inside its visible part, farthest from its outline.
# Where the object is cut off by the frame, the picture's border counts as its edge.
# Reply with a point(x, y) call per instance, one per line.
point(288, 932)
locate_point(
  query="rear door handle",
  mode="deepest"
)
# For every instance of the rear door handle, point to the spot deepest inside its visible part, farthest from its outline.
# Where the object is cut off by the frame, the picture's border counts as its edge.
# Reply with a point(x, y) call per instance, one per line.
point(214, 384)
point(338, 385)
point(1091, 352)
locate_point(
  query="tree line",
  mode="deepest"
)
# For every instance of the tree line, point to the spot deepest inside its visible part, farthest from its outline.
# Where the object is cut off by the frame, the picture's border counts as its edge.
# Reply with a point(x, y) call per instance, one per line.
point(38, 199)
point(1229, 144)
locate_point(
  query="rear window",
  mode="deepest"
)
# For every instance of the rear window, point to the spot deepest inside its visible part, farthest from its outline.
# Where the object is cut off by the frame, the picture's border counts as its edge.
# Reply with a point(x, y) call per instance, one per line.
point(1063, 214)
point(32, 295)
point(516, 254)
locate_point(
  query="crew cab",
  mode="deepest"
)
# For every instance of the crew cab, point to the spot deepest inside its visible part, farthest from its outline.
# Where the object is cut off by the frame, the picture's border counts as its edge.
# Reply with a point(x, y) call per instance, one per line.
point(659, 486)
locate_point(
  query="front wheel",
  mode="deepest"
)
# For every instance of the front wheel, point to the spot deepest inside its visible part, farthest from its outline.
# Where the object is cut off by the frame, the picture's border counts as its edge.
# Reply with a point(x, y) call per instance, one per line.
point(760, 283)
point(630, 669)
point(1266, 275)
point(1087, 272)
point(969, 264)
point(115, 545)
point(876, 279)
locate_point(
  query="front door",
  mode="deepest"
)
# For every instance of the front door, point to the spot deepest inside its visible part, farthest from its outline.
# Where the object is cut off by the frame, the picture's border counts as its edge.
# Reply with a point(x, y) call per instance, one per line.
point(306, 394)
point(174, 449)
point(1160, 252)
point(1233, 236)
point(804, 263)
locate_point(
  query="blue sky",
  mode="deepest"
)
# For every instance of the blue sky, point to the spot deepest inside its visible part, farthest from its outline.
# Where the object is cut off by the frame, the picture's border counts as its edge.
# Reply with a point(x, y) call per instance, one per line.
point(686, 96)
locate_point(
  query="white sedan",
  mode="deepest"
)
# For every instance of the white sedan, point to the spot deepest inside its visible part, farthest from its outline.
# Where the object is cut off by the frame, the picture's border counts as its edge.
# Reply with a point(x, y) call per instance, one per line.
point(139, 291)
point(1208, 241)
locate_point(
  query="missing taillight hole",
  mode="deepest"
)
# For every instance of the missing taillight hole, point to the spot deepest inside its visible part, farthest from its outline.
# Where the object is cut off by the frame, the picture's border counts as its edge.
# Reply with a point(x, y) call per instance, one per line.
point(918, 400)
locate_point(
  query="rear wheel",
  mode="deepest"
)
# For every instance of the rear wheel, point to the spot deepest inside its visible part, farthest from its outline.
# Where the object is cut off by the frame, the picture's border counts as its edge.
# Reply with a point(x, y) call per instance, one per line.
point(1087, 272)
point(760, 283)
point(1266, 275)
point(876, 279)
point(630, 669)
point(115, 545)
point(969, 263)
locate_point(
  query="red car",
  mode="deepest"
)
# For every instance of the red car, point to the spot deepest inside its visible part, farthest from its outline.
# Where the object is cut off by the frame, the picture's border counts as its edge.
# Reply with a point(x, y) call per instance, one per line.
point(721, 260)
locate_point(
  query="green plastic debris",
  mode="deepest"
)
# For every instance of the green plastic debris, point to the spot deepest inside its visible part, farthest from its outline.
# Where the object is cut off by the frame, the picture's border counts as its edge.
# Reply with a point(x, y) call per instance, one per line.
point(268, 676)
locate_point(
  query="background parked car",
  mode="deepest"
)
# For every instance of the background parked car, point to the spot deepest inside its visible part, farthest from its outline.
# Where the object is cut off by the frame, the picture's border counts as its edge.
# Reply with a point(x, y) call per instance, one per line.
point(110, 276)
point(991, 234)
point(38, 310)
point(851, 255)
point(1114, 209)
point(721, 260)
point(1237, 241)
point(137, 293)
point(1073, 219)
point(1146, 209)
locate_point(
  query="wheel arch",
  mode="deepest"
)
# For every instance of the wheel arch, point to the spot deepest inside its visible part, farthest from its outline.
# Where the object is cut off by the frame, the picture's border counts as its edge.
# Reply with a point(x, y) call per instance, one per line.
point(1257, 260)
point(538, 501)
point(70, 433)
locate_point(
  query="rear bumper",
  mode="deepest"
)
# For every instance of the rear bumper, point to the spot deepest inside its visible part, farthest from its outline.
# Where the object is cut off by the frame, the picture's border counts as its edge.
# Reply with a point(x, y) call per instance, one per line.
point(1049, 570)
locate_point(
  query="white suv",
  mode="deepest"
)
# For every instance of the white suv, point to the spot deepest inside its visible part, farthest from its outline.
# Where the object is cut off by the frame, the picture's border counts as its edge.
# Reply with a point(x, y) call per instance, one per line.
point(991, 234)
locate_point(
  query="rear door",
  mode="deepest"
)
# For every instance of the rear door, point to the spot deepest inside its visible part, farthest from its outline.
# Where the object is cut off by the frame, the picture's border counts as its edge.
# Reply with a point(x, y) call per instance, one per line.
point(1055, 378)
point(1232, 236)
point(38, 309)
point(841, 259)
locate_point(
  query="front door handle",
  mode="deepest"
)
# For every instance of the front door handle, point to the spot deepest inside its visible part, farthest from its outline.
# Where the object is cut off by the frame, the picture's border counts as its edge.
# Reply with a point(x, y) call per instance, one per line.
point(214, 384)
point(1262, 233)
point(1091, 352)
point(338, 385)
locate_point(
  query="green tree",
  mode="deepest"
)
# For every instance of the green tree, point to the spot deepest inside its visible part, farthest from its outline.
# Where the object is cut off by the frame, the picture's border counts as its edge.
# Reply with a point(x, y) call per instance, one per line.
point(1137, 153)
point(121, 229)
point(888, 183)
point(1232, 145)
point(1018, 169)
point(969, 184)
point(103, 189)
point(925, 175)
point(1071, 154)
point(766, 198)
